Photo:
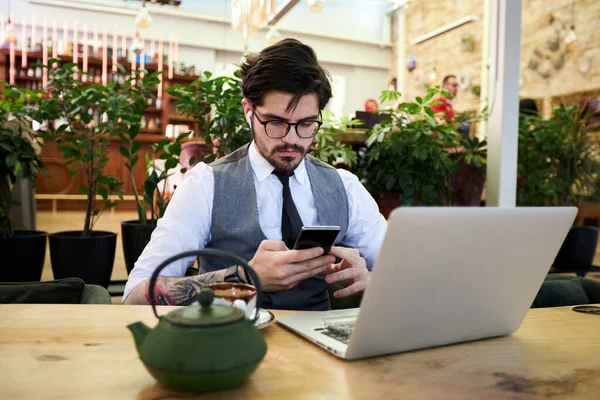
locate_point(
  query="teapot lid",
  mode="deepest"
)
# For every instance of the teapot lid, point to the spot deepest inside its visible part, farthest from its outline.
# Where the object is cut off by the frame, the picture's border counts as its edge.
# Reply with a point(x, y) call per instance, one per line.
point(207, 315)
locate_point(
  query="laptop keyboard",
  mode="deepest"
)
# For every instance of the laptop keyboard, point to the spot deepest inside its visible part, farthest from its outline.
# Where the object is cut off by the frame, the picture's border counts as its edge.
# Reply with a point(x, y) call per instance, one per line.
point(340, 332)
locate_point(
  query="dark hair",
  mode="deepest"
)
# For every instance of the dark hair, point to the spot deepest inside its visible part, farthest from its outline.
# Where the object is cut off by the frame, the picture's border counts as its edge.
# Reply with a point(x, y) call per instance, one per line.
point(447, 78)
point(288, 66)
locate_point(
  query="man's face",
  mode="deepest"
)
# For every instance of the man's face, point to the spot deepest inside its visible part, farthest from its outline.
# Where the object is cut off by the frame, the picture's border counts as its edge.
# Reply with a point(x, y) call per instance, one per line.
point(285, 153)
point(451, 86)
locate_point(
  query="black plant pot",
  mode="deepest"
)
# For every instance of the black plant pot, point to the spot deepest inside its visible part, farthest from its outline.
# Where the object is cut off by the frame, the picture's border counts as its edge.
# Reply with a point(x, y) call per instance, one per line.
point(578, 250)
point(88, 258)
point(23, 256)
point(135, 237)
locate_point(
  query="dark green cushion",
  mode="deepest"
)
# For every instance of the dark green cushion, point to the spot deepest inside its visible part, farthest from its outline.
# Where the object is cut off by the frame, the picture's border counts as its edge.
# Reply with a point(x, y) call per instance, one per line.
point(61, 291)
point(95, 294)
point(561, 292)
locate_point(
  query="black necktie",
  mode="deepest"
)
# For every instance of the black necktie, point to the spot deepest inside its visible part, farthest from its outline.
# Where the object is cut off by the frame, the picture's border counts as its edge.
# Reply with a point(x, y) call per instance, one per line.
point(291, 223)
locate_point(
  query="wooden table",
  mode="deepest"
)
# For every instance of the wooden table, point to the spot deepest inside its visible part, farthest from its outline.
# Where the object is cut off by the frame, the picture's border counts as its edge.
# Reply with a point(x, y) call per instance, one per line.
point(85, 352)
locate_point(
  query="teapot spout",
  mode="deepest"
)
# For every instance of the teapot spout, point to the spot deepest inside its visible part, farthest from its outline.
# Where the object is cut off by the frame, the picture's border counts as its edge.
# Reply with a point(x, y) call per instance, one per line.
point(139, 331)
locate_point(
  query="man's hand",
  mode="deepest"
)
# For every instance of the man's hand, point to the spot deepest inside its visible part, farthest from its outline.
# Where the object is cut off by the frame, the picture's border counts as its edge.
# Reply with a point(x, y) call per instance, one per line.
point(351, 272)
point(281, 269)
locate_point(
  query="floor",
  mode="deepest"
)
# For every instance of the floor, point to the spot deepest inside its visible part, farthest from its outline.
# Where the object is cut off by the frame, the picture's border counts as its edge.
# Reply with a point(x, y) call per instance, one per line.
point(73, 220)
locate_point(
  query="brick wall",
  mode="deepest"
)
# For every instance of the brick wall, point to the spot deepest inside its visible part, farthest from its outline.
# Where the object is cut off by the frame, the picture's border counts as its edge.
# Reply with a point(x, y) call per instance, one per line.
point(446, 55)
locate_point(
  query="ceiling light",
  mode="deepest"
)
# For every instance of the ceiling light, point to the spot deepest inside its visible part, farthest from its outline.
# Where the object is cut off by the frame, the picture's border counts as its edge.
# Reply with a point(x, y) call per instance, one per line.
point(273, 35)
point(143, 19)
point(316, 5)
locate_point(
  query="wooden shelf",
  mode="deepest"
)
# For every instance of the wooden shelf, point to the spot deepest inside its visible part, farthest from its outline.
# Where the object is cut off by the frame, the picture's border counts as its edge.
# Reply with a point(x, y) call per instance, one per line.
point(27, 78)
point(151, 131)
point(185, 78)
point(180, 118)
point(148, 137)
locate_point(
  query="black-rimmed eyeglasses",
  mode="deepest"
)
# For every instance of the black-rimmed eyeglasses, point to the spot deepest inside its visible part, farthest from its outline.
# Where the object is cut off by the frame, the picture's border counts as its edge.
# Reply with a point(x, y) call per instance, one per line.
point(277, 129)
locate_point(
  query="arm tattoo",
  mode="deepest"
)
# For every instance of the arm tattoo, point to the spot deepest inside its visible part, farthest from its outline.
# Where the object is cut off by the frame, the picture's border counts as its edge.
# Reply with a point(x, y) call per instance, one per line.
point(182, 291)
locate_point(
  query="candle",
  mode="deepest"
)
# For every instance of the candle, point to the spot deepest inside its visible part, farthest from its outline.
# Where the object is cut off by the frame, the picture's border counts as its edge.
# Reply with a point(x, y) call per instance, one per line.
point(152, 48)
point(176, 54)
point(143, 57)
point(160, 67)
point(33, 32)
point(95, 45)
point(170, 57)
point(133, 66)
point(84, 42)
point(115, 59)
point(24, 43)
point(65, 45)
point(104, 56)
point(124, 46)
point(45, 53)
point(75, 42)
point(12, 68)
point(54, 38)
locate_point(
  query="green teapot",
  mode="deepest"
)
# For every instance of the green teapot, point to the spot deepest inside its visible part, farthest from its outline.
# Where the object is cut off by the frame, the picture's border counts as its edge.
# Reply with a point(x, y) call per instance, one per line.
point(201, 348)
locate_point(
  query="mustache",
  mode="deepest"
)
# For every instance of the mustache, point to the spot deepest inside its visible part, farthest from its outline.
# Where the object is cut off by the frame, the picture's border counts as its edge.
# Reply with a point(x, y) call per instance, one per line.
point(288, 147)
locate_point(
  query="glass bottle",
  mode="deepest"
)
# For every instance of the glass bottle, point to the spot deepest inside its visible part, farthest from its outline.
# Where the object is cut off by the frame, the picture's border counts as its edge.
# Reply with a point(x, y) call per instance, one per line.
point(38, 70)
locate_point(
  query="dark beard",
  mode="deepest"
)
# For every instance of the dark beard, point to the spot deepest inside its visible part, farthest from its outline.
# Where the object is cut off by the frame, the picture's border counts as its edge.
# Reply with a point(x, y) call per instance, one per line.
point(284, 164)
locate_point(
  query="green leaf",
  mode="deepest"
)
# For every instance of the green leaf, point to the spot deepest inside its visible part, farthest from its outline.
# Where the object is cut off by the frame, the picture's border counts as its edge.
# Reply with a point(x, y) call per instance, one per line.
point(171, 163)
point(83, 189)
point(102, 192)
point(124, 152)
point(73, 171)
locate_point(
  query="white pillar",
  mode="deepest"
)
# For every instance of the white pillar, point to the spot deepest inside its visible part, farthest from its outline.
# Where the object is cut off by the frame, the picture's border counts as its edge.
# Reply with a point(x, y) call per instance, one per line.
point(503, 132)
point(400, 55)
point(485, 67)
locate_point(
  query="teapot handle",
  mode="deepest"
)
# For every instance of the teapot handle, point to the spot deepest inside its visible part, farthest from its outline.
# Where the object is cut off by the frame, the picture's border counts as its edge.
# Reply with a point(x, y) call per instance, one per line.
point(208, 252)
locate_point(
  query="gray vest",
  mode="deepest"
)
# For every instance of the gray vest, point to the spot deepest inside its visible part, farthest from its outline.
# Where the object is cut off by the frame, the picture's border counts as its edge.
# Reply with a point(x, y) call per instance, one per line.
point(235, 227)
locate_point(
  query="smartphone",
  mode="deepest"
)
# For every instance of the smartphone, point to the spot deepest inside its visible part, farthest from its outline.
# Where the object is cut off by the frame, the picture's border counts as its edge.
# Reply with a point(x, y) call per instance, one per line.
point(317, 236)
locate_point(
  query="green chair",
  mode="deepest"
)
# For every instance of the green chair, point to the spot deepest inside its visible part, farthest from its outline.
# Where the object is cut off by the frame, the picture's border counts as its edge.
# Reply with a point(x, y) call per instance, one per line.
point(61, 291)
point(562, 290)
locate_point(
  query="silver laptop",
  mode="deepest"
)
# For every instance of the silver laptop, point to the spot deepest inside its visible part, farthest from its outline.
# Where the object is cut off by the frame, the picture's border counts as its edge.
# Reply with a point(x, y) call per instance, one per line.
point(442, 276)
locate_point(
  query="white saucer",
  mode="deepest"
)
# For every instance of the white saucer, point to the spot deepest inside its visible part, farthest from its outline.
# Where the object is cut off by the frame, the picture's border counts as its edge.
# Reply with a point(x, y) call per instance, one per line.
point(265, 318)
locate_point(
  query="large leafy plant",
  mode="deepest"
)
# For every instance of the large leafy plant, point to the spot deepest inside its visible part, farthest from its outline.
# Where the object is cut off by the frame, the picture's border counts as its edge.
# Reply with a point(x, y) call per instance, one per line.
point(153, 197)
point(215, 104)
point(327, 148)
point(558, 163)
point(414, 154)
point(19, 148)
point(91, 116)
point(155, 194)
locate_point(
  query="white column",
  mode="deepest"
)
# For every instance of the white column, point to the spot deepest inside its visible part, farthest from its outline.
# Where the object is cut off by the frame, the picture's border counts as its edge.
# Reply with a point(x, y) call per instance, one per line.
point(400, 54)
point(503, 132)
point(485, 66)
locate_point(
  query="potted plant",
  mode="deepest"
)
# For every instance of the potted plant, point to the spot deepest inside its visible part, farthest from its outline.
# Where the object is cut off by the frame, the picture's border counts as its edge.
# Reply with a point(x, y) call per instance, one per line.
point(135, 234)
point(412, 156)
point(91, 116)
point(155, 197)
point(19, 159)
point(216, 106)
point(327, 146)
point(559, 165)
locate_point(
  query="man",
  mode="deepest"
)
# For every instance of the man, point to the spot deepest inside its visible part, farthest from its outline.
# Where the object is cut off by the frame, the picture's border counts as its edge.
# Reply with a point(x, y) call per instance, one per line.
point(245, 202)
point(444, 108)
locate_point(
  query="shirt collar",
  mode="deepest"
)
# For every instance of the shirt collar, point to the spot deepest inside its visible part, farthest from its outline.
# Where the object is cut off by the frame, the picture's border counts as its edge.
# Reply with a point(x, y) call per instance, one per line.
point(263, 168)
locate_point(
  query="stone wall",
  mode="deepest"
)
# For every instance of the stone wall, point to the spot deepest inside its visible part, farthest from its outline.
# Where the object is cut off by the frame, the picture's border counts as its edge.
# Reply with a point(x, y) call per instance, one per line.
point(549, 67)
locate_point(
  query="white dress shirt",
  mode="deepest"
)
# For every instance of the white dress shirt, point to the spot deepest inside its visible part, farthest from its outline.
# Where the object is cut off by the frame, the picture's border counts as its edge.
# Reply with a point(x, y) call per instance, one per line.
point(187, 220)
